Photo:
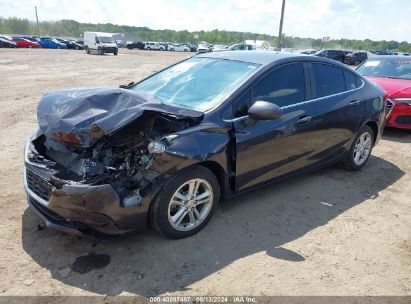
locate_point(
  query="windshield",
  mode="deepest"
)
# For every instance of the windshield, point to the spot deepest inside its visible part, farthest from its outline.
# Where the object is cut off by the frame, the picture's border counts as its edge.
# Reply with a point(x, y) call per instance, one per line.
point(104, 39)
point(197, 83)
point(392, 68)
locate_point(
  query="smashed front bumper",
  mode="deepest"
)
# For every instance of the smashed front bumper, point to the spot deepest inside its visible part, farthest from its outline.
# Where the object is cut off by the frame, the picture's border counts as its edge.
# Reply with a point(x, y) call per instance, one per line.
point(80, 208)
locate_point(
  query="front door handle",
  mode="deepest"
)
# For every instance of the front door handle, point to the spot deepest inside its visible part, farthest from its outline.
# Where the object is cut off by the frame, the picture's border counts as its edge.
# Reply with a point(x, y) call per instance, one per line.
point(354, 103)
point(303, 120)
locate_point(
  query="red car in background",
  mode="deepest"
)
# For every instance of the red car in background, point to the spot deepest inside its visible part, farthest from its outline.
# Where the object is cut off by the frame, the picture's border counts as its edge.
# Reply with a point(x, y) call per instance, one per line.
point(25, 43)
point(393, 75)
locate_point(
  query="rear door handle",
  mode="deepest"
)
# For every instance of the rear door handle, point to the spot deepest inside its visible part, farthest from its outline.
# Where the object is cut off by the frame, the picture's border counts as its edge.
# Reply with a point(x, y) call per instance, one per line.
point(355, 103)
point(303, 120)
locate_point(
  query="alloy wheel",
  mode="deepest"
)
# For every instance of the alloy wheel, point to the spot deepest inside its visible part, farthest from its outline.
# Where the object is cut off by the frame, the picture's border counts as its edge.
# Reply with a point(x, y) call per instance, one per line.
point(190, 204)
point(362, 148)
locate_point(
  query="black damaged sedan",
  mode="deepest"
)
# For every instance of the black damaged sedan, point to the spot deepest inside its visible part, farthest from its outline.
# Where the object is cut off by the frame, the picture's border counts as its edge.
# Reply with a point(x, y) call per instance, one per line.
point(166, 150)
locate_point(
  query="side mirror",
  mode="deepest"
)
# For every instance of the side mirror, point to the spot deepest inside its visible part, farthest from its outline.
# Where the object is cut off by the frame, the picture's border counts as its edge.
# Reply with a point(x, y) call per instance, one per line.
point(263, 110)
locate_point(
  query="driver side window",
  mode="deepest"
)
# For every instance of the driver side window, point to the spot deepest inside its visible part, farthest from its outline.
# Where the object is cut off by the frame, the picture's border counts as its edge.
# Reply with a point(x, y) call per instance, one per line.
point(283, 86)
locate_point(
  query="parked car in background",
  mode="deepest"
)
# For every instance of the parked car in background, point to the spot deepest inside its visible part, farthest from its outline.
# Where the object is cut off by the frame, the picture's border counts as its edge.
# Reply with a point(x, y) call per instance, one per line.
point(165, 45)
point(25, 43)
point(241, 47)
point(337, 55)
point(290, 50)
point(177, 47)
point(393, 75)
point(31, 38)
point(192, 47)
point(308, 52)
point(6, 43)
point(356, 58)
point(219, 47)
point(100, 43)
point(71, 44)
point(120, 43)
point(203, 48)
point(381, 52)
point(149, 45)
point(135, 45)
point(51, 43)
point(165, 150)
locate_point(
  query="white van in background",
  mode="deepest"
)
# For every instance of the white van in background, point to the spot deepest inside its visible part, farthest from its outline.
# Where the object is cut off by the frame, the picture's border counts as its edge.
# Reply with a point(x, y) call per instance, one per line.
point(100, 43)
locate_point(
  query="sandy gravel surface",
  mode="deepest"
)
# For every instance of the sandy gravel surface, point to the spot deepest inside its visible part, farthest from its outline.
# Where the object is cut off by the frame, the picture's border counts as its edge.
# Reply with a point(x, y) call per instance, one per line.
point(329, 233)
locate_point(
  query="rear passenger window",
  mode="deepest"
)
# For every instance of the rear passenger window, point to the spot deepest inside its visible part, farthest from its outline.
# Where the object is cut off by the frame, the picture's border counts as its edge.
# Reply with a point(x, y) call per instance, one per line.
point(358, 81)
point(351, 81)
point(283, 86)
point(329, 79)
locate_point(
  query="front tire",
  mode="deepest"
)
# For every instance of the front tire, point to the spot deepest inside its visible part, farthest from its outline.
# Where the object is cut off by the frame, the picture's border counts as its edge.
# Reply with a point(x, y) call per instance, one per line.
point(360, 150)
point(185, 203)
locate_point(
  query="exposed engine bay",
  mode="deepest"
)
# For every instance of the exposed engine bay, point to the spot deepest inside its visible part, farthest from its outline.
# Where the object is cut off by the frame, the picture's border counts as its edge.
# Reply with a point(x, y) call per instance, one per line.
point(121, 159)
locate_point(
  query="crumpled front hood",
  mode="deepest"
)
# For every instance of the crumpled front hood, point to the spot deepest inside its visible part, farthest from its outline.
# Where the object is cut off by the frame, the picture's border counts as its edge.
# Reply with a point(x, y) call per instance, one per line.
point(81, 116)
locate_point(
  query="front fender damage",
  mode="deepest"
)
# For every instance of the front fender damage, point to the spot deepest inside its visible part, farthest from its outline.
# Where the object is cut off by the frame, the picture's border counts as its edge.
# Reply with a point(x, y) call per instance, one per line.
point(111, 179)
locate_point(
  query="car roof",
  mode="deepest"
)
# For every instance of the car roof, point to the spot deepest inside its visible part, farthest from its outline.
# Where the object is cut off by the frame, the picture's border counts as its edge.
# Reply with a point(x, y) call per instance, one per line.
point(265, 57)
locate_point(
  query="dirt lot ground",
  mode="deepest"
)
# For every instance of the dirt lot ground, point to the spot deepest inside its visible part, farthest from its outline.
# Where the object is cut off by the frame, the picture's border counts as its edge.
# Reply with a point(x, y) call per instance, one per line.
point(329, 233)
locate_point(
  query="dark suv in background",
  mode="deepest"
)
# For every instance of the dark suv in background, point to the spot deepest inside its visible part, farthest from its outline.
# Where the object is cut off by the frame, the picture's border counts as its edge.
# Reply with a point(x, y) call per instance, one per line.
point(338, 55)
point(355, 58)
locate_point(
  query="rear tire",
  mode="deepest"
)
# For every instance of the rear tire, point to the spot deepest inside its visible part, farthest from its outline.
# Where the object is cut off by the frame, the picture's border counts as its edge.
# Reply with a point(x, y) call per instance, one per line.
point(115, 53)
point(185, 203)
point(360, 150)
point(87, 50)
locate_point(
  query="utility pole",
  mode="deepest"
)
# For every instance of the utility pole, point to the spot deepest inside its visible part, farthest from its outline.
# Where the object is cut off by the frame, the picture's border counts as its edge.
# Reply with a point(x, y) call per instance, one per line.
point(37, 20)
point(280, 34)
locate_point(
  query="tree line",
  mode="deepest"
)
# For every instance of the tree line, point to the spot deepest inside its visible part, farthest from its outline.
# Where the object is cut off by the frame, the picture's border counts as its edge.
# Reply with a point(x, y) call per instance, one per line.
point(72, 28)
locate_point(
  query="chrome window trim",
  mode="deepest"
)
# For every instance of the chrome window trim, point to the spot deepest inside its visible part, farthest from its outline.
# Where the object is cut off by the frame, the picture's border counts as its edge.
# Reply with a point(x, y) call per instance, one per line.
point(304, 102)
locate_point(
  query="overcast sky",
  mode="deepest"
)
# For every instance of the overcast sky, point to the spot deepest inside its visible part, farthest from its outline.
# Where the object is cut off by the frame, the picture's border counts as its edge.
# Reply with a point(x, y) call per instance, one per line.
point(354, 19)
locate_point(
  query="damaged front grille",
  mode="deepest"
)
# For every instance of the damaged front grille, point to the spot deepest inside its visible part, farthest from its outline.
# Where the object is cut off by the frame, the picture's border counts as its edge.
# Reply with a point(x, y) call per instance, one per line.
point(38, 185)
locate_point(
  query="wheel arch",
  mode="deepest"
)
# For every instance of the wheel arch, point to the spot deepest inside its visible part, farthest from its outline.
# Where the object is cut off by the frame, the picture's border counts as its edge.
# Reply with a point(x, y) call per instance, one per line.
point(219, 173)
point(374, 127)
